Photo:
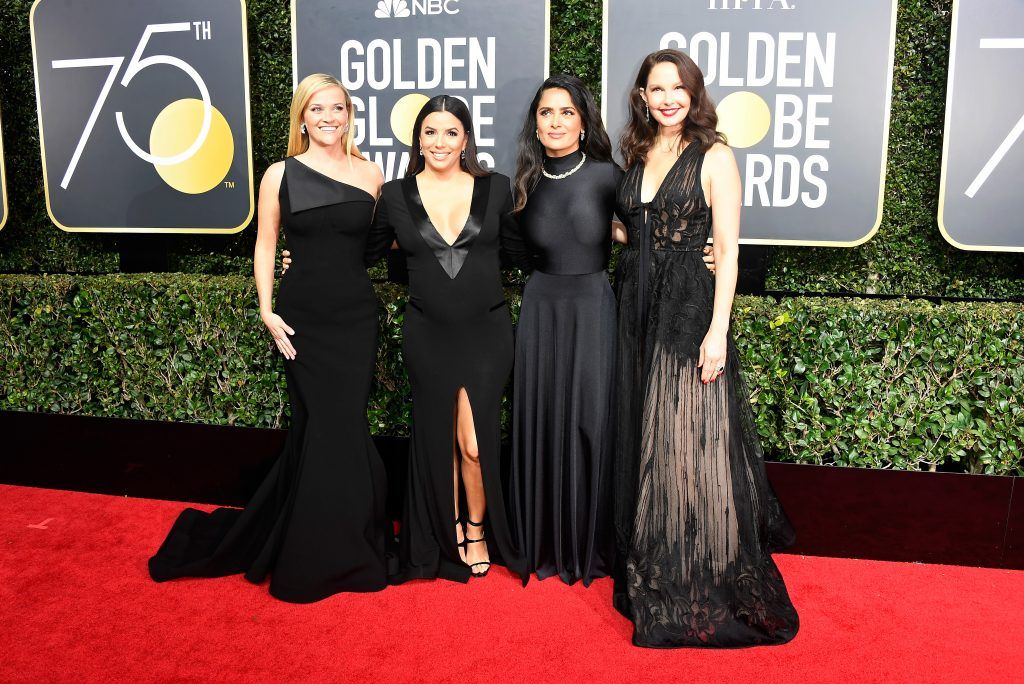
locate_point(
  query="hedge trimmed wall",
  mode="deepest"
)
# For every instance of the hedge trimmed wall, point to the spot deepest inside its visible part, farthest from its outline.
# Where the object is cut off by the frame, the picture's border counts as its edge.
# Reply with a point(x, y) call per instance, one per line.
point(892, 384)
point(906, 256)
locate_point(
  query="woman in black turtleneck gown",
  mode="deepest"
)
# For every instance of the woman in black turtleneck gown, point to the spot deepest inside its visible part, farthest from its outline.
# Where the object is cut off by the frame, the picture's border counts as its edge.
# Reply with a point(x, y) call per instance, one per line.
point(565, 341)
point(563, 411)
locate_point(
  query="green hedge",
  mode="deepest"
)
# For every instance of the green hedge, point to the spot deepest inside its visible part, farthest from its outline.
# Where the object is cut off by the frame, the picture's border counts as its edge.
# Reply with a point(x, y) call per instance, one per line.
point(890, 384)
point(907, 256)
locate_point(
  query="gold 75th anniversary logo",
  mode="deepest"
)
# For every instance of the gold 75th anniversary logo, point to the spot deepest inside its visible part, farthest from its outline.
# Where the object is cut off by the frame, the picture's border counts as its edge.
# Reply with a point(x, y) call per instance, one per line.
point(144, 115)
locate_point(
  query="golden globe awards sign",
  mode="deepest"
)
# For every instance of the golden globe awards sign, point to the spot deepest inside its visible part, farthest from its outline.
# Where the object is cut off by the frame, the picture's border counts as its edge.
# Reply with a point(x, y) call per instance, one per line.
point(980, 198)
point(802, 90)
point(393, 55)
point(144, 114)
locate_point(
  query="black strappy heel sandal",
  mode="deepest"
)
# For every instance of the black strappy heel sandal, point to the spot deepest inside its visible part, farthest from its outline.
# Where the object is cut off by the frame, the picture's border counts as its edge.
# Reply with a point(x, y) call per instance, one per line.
point(476, 541)
point(460, 545)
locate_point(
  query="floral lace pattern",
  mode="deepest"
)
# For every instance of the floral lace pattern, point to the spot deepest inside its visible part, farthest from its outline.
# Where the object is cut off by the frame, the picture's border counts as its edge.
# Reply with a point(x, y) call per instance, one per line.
point(695, 517)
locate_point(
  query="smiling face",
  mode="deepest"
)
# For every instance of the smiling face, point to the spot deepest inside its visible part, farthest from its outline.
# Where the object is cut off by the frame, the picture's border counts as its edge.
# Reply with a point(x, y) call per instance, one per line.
point(326, 116)
point(442, 140)
point(665, 95)
point(558, 123)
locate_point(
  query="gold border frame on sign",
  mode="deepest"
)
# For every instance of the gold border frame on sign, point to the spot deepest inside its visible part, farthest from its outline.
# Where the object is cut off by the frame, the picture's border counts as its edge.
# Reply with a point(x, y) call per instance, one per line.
point(3, 182)
point(940, 217)
point(885, 135)
point(547, 44)
point(248, 136)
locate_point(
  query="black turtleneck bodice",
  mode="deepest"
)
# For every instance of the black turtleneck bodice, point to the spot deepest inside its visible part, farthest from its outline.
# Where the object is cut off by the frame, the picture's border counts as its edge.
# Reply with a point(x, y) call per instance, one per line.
point(567, 222)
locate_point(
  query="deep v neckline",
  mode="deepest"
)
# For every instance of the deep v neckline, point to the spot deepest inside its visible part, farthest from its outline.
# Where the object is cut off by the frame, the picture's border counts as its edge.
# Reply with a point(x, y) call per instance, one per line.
point(450, 256)
point(671, 168)
point(465, 223)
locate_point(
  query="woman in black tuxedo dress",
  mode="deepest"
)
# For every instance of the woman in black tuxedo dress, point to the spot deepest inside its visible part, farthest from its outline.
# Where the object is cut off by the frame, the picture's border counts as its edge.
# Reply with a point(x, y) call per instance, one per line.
point(451, 219)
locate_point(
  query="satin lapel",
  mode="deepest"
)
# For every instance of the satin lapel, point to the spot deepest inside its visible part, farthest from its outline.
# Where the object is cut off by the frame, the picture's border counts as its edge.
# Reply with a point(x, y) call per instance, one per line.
point(450, 257)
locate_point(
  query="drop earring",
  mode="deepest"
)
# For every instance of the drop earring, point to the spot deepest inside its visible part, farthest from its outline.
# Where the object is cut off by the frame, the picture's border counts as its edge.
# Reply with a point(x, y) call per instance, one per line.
point(582, 135)
point(648, 110)
point(463, 154)
point(303, 129)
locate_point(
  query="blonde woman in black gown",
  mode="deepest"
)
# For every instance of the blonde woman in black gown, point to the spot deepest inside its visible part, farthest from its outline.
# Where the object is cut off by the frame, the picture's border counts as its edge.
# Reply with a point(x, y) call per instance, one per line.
point(317, 524)
point(696, 520)
point(452, 221)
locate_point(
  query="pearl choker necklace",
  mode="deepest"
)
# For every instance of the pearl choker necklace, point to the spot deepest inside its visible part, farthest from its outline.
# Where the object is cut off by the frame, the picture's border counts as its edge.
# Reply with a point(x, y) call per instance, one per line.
point(558, 176)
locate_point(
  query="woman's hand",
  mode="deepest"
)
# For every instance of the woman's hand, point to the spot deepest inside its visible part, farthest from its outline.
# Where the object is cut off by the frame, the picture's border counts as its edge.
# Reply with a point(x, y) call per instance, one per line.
point(709, 258)
point(712, 357)
point(286, 261)
point(280, 332)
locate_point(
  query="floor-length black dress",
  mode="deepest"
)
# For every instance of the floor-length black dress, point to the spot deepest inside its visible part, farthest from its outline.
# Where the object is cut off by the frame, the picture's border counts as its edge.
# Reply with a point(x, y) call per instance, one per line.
point(457, 333)
point(696, 519)
point(562, 428)
point(316, 524)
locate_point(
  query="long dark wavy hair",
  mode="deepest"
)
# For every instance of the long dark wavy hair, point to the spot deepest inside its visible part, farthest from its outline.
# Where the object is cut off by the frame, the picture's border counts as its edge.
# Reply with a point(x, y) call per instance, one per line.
point(701, 121)
point(530, 153)
point(453, 105)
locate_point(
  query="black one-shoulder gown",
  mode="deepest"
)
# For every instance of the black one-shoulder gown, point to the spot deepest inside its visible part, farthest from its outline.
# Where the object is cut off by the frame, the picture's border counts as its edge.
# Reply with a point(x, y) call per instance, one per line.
point(317, 523)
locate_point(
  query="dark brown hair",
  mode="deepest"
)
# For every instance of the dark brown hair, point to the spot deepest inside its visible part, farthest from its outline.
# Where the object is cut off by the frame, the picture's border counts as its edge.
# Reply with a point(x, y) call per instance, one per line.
point(701, 121)
point(530, 154)
point(453, 105)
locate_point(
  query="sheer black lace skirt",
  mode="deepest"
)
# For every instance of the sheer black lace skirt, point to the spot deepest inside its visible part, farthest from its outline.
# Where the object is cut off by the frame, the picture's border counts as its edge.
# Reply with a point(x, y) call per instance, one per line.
point(695, 517)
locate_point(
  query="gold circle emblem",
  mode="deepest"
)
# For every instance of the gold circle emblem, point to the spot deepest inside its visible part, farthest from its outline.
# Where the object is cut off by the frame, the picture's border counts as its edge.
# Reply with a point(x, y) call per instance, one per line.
point(174, 130)
point(403, 116)
point(744, 118)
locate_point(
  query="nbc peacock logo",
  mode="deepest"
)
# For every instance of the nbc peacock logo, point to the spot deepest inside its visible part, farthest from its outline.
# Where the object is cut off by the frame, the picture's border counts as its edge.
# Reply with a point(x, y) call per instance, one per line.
point(392, 8)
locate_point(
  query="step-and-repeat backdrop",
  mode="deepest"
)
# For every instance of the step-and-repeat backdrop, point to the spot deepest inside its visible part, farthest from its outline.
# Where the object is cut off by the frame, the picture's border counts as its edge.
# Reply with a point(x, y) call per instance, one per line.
point(144, 104)
point(393, 55)
point(980, 199)
point(144, 114)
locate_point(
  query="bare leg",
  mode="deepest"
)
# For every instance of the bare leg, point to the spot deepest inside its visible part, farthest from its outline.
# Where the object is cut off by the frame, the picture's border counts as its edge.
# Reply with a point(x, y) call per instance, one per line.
point(460, 534)
point(472, 480)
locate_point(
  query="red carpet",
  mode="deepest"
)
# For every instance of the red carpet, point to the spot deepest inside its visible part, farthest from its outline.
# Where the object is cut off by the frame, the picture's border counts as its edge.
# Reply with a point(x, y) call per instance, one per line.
point(76, 604)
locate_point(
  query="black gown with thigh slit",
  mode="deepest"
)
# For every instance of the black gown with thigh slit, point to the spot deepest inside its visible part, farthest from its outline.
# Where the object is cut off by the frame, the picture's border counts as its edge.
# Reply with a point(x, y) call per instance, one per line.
point(457, 333)
point(696, 518)
point(316, 524)
point(563, 426)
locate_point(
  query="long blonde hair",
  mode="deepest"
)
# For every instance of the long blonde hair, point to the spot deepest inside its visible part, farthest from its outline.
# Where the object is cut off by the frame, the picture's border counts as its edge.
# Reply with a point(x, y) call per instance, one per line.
point(298, 142)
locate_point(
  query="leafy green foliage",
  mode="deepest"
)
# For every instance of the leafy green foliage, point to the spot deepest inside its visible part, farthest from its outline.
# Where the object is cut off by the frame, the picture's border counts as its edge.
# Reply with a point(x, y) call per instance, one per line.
point(890, 384)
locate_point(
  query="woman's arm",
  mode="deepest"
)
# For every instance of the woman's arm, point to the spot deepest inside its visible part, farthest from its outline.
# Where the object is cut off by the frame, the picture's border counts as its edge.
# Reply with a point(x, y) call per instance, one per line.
point(268, 224)
point(381, 237)
point(724, 185)
point(619, 233)
point(515, 252)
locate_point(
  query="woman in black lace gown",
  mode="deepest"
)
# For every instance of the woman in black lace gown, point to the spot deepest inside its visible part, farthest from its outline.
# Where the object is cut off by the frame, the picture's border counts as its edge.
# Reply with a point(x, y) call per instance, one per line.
point(696, 519)
point(316, 524)
point(451, 219)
